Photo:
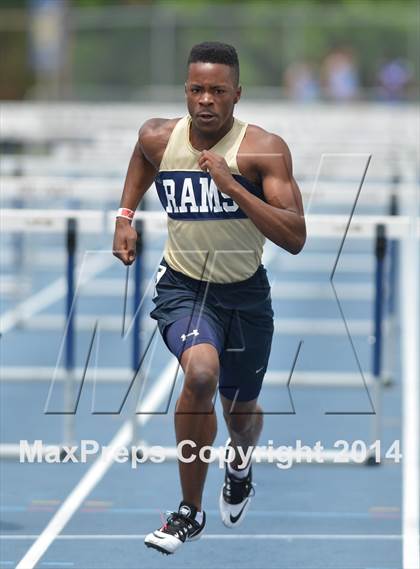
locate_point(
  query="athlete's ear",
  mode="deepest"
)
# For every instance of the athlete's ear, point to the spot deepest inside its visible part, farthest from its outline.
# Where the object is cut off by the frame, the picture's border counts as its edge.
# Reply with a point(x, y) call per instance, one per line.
point(238, 94)
point(185, 87)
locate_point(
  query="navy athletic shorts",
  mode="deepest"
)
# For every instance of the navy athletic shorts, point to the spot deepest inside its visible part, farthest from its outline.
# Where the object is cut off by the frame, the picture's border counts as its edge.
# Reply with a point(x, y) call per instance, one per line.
point(236, 318)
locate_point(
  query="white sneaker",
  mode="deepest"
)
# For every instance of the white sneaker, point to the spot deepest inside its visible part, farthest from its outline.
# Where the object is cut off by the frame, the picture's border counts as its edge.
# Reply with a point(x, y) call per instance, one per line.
point(180, 527)
point(235, 497)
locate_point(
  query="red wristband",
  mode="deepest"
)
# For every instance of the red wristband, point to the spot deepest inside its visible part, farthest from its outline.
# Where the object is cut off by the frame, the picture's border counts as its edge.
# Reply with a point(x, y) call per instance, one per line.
point(125, 212)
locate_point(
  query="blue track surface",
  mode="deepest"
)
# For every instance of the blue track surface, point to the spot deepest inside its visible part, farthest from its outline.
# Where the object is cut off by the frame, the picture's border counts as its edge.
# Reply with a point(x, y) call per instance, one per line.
point(305, 517)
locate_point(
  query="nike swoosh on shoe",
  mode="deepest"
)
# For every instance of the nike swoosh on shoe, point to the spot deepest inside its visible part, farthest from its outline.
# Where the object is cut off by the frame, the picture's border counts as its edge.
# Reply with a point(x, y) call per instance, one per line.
point(234, 519)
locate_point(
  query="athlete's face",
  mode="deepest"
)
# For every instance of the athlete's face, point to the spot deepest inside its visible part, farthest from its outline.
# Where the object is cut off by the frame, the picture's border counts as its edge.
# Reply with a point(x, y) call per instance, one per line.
point(212, 93)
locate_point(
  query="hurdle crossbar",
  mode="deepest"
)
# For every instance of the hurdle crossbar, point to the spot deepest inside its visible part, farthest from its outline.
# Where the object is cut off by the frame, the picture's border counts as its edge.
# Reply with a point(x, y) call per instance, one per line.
point(94, 221)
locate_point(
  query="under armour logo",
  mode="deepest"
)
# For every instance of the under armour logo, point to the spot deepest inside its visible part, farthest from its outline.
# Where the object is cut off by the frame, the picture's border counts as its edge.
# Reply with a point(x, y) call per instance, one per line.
point(193, 333)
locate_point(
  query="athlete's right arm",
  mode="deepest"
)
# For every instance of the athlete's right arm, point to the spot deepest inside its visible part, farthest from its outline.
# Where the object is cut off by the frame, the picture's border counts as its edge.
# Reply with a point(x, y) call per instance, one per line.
point(140, 175)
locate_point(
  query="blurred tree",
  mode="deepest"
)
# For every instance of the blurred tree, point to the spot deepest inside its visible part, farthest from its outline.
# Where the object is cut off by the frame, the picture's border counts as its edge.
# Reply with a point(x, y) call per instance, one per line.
point(120, 46)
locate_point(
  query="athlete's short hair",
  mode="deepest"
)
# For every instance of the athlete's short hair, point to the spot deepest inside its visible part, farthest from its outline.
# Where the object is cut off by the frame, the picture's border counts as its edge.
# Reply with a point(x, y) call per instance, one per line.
point(215, 52)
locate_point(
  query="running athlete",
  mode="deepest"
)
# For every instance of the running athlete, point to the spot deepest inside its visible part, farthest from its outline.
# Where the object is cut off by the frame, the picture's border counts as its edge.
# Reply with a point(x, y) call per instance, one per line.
point(226, 186)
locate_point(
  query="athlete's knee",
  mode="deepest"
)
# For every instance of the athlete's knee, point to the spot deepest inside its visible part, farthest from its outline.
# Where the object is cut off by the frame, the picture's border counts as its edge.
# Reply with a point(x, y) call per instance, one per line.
point(201, 381)
point(201, 368)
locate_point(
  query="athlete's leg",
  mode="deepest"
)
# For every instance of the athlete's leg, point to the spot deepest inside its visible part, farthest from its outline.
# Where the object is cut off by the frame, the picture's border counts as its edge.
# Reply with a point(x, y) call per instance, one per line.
point(195, 418)
point(244, 420)
point(242, 369)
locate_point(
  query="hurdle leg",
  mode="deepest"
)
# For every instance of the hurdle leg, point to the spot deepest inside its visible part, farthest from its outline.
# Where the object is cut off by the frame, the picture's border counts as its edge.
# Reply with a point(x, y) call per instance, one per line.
point(138, 266)
point(380, 252)
point(69, 389)
point(391, 335)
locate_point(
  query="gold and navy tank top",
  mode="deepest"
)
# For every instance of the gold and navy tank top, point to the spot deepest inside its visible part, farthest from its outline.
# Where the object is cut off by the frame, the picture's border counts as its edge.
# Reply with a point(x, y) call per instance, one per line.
point(209, 237)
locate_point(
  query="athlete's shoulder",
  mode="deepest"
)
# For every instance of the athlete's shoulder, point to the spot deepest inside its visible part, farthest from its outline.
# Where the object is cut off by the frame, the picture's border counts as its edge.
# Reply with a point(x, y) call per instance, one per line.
point(259, 147)
point(156, 129)
point(265, 141)
point(153, 137)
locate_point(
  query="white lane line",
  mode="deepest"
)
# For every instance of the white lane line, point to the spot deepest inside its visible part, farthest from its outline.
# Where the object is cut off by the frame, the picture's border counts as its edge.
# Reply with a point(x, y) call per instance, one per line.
point(279, 536)
point(49, 295)
point(96, 472)
point(43, 564)
point(33, 305)
point(409, 278)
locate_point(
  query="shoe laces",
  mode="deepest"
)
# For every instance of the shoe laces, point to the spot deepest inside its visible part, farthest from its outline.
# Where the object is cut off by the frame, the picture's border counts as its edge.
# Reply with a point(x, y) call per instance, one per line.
point(238, 488)
point(177, 523)
point(248, 485)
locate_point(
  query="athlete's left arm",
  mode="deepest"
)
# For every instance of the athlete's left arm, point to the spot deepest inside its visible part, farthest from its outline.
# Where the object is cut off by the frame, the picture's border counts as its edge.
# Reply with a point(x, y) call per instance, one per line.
point(281, 217)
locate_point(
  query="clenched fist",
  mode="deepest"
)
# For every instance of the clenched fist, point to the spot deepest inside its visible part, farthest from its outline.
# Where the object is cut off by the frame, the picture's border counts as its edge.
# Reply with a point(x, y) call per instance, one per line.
point(125, 237)
point(216, 166)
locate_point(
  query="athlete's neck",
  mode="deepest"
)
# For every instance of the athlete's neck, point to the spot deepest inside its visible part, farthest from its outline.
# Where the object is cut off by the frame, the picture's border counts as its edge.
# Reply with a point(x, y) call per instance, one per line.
point(205, 140)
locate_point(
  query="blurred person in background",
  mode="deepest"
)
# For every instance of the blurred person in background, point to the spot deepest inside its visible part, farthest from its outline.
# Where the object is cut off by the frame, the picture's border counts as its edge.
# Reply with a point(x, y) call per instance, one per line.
point(340, 75)
point(394, 78)
point(300, 82)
